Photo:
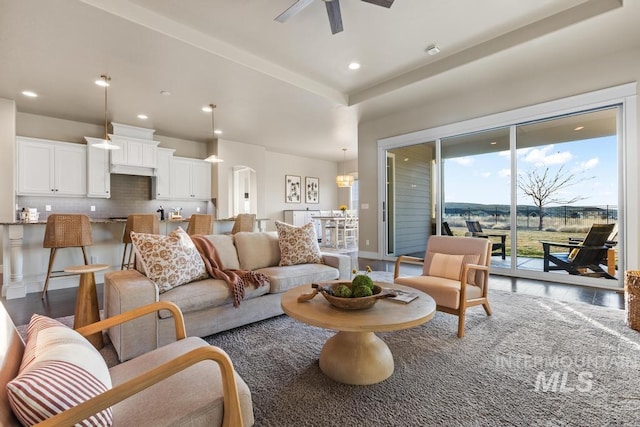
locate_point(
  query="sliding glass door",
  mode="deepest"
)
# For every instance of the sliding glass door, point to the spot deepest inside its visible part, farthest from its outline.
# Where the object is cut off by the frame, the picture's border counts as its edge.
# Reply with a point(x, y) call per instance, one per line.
point(545, 192)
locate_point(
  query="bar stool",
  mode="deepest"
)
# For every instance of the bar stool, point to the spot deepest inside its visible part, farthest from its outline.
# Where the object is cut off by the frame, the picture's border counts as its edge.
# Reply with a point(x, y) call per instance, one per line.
point(200, 224)
point(65, 231)
point(139, 223)
point(244, 222)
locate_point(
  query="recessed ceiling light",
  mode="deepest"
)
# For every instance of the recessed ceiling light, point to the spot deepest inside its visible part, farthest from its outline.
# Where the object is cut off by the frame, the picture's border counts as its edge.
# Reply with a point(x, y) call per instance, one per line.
point(433, 50)
point(207, 109)
point(143, 116)
point(579, 128)
point(165, 93)
point(354, 66)
point(493, 142)
point(217, 132)
point(102, 82)
point(29, 93)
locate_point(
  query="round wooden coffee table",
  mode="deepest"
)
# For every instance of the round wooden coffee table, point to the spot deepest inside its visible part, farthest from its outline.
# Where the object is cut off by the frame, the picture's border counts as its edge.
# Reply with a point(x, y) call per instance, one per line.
point(355, 355)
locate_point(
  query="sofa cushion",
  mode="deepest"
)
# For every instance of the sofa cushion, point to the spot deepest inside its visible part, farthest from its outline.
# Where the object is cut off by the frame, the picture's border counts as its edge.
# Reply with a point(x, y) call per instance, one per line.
point(205, 294)
point(60, 370)
point(226, 250)
point(169, 261)
point(282, 279)
point(257, 250)
point(298, 245)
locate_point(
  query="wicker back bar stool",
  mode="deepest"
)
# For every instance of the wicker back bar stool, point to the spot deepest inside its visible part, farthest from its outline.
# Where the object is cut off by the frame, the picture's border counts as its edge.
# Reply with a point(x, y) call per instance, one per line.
point(65, 231)
point(244, 222)
point(200, 224)
point(140, 223)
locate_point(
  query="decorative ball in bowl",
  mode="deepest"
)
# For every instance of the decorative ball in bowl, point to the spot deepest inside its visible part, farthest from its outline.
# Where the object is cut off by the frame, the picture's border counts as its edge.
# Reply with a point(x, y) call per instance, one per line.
point(331, 293)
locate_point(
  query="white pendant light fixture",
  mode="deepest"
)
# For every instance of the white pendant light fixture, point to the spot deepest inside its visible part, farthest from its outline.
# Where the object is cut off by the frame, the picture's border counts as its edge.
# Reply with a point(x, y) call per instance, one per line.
point(213, 158)
point(105, 144)
point(344, 180)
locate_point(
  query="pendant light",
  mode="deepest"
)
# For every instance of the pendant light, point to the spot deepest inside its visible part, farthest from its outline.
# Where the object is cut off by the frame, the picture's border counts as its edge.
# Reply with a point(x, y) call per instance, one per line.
point(105, 144)
point(213, 158)
point(344, 180)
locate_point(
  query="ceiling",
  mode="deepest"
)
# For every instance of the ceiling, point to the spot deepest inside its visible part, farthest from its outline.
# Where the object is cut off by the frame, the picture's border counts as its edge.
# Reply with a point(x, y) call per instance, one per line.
point(285, 86)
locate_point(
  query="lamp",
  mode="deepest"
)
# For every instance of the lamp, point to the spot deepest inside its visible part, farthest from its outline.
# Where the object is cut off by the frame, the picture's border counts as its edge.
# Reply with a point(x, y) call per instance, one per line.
point(105, 144)
point(213, 158)
point(344, 180)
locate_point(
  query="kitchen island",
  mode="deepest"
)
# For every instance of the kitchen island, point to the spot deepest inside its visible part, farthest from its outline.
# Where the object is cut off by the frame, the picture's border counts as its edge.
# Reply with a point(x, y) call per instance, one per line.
point(25, 260)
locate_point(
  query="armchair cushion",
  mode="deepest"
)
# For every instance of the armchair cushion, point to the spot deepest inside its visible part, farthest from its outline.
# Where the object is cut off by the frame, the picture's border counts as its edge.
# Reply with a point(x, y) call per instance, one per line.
point(444, 265)
point(298, 245)
point(169, 261)
point(59, 370)
point(446, 292)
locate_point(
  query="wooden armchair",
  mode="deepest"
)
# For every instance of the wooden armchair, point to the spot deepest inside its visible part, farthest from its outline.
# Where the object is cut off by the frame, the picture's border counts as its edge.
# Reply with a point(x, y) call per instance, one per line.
point(177, 383)
point(583, 257)
point(455, 272)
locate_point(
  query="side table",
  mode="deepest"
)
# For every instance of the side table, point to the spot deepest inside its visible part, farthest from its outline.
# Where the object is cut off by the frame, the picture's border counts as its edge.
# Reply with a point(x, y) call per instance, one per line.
point(87, 310)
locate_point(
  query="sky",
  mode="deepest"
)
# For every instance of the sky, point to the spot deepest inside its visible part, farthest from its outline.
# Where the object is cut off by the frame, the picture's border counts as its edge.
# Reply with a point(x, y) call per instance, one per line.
point(486, 178)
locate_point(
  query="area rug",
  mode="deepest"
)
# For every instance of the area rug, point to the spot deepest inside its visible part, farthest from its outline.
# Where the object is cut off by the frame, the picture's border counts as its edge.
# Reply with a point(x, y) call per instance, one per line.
point(535, 362)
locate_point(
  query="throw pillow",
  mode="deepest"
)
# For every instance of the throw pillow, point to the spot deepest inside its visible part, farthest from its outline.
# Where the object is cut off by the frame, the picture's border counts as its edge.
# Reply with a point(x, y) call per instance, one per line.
point(60, 369)
point(298, 245)
point(169, 261)
point(445, 265)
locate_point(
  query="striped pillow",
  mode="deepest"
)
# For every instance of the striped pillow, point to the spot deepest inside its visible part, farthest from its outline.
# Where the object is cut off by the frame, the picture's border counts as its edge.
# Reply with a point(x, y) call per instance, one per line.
point(60, 369)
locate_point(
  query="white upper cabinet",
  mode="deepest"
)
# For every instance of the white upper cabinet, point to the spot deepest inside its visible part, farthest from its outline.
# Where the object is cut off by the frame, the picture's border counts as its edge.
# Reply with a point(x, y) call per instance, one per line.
point(98, 176)
point(161, 188)
point(190, 179)
point(51, 168)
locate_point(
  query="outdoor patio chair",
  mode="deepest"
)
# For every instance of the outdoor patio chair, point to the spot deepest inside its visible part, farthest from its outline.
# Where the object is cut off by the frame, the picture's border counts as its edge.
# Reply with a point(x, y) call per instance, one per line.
point(499, 248)
point(455, 273)
point(446, 230)
point(583, 258)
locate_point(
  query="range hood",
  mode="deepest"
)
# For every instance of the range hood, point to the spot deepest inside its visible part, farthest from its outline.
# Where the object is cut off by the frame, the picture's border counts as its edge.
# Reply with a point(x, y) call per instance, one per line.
point(137, 154)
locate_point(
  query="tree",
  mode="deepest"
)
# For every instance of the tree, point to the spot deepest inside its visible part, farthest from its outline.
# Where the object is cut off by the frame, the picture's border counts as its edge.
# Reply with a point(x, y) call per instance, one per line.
point(543, 188)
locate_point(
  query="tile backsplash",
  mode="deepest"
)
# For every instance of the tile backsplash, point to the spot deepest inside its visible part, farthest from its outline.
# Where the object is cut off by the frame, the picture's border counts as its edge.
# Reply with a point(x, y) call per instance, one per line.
point(129, 194)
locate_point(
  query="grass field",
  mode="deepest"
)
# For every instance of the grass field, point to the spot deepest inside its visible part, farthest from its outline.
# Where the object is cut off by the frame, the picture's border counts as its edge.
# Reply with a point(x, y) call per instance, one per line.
point(529, 245)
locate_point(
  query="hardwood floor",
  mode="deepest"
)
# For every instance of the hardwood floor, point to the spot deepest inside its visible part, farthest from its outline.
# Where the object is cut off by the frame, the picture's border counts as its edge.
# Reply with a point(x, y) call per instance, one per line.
point(62, 302)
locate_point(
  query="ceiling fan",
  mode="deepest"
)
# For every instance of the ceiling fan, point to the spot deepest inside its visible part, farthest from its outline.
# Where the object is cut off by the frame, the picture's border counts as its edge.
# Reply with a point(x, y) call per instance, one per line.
point(333, 10)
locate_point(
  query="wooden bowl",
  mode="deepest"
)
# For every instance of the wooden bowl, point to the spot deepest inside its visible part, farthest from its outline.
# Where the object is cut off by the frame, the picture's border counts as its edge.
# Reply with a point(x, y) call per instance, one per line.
point(357, 303)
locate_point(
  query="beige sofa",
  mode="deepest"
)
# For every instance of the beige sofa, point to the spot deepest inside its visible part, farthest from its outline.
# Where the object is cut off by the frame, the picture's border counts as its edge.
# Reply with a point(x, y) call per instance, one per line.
point(207, 304)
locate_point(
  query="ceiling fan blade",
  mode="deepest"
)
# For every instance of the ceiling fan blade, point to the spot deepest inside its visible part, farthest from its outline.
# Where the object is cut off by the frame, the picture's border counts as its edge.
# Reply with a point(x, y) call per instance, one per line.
point(383, 3)
point(335, 18)
point(293, 10)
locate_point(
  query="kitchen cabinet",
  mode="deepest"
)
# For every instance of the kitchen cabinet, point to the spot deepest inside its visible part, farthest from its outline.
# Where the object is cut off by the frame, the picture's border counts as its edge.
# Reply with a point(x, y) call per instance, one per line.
point(50, 168)
point(161, 183)
point(134, 154)
point(98, 176)
point(190, 179)
point(300, 218)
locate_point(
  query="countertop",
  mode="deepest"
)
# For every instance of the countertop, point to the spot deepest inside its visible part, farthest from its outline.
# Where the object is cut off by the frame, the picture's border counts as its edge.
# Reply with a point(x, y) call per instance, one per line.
point(93, 221)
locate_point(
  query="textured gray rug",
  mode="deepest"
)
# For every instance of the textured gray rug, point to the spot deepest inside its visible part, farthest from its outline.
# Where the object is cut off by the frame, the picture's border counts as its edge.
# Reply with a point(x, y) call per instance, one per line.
point(535, 362)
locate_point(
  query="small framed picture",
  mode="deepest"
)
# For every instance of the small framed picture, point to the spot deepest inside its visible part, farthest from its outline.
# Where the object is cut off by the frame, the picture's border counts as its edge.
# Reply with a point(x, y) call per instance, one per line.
point(292, 190)
point(312, 189)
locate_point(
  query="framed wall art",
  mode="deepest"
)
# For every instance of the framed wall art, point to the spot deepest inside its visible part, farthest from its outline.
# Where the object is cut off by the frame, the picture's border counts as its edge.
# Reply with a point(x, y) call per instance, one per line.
point(312, 189)
point(292, 190)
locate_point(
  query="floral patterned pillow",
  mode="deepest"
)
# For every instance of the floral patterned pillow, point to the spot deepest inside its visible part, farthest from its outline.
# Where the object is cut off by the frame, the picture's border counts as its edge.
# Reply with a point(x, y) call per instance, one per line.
point(298, 245)
point(169, 261)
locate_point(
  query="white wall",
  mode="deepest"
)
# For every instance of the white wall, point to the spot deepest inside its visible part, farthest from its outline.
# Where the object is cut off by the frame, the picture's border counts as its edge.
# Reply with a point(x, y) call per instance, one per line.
point(503, 93)
point(279, 165)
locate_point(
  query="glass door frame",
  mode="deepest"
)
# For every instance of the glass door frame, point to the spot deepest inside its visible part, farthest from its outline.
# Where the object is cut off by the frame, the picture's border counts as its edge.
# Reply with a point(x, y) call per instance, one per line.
point(623, 96)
